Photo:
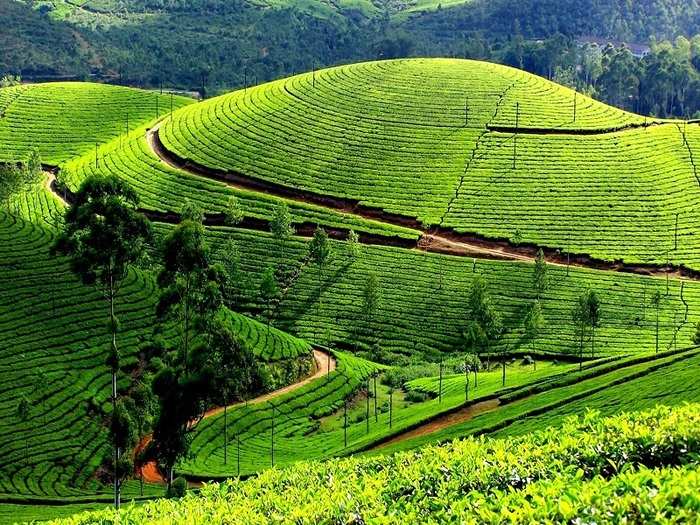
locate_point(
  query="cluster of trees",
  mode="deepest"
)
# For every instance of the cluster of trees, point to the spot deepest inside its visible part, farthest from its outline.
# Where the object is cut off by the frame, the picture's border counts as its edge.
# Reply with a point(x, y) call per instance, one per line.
point(540, 37)
point(194, 359)
point(485, 329)
point(17, 176)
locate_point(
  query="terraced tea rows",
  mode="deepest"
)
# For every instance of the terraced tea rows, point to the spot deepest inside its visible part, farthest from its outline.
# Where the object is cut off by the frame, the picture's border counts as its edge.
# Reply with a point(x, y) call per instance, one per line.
point(66, 119)
point(163, 188)
point(411, 138)
point(423, 307)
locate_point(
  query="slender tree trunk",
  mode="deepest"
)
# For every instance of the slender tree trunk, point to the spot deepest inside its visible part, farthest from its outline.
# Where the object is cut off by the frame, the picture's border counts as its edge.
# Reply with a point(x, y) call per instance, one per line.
point(225, 432)
point(657, 329)
point(113, 328)
point(187, 322)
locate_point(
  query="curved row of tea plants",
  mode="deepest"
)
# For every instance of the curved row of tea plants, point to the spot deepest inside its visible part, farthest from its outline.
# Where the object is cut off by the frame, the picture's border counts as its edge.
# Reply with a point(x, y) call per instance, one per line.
point(66, 119)
point(412, 137)
point(163, 188)
point(591, 467)
point(423, 306)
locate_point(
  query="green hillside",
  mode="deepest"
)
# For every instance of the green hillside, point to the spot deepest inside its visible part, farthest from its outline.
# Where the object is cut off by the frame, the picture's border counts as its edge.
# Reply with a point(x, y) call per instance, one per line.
point(64, 120)
point(643, 465)
point(453, 173)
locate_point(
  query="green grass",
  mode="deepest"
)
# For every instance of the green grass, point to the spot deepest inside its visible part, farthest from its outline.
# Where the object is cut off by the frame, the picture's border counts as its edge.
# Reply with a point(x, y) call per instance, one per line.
point(66, 119)
point(393, 135)
point(589, 467)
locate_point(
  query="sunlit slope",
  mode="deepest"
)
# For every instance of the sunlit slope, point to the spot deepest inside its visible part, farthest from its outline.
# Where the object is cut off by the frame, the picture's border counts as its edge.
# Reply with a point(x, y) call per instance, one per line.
point(434, 139)
point(65, 119)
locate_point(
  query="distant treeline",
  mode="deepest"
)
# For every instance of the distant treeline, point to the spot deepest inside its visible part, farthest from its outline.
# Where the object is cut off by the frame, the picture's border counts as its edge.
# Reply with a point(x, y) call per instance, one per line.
point(216, 45)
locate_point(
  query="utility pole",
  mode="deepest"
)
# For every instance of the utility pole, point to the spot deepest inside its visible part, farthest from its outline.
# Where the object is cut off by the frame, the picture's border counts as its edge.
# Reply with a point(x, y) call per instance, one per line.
point(515, 137)
point(313, 74)
point(157, 108)
point(575, 103)
point(171, 105)
point(466, 380)
point(376, 417)
point(367, 407)
point(668, 270)
point(466, 112)
point(345, 424)
point(440, 383)
point(96, 155)
point(238, 455)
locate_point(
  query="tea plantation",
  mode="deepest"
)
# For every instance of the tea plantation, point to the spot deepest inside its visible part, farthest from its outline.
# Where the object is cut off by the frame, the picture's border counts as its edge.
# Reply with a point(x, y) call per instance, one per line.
point(487, 162)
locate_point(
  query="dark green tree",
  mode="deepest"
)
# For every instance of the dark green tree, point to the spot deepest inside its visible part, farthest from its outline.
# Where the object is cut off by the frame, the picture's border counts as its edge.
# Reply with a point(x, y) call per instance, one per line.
point(484, 325)
point(191, 288)
point(539, 275)
point(371, 302)
point(104, 236)
point(533, 323)
point(594, 312)
point(320, 253)
point(269, 293)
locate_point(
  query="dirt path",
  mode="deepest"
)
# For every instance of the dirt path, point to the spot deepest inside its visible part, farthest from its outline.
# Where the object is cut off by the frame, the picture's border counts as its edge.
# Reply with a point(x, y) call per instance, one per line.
point(435, 239)
point(444, 421)
point(324, 363)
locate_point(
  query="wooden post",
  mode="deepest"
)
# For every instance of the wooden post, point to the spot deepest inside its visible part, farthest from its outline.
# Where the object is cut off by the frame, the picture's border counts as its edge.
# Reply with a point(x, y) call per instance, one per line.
point(376, 417)
point(345, 424)
point(391, 407)
point(667, 272)
point(515, 137)
point(171, 105)
point(238, 455)
point(313, 74)
point(367, 407)
point(272, 443)
point(96, 155)
point(440, 383)
point(157, 108)
point(575, 102)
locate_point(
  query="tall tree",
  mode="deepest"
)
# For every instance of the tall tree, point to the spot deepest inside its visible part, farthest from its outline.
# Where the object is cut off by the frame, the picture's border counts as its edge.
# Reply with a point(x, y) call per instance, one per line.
point(104, 236)
point(539, 275)
point(233, 214)
point(484, 324)
point(320, 252)
point(594, 312)
point(353, 245)
point(269, 292)
point(232, 367)
point(191, 288)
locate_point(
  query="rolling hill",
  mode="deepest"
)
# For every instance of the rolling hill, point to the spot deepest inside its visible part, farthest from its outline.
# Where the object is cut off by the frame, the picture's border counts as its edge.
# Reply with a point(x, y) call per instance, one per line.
point(450, 171)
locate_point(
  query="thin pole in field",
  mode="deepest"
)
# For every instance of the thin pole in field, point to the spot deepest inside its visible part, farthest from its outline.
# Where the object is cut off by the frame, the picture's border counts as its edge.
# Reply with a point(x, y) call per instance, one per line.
point(391, 407)
point(575, 103)
point(367, 407)
point(157, 106)
point(96, 155)
point(466, 112)
point(440, 384)
point(515, 136)
point(376, 417)
point(345, 423)
point(171, 105)
point(238, 455)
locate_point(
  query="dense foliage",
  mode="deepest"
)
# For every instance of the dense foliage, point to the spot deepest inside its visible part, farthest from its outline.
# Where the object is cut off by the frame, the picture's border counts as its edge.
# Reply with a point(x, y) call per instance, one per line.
point(643, 467)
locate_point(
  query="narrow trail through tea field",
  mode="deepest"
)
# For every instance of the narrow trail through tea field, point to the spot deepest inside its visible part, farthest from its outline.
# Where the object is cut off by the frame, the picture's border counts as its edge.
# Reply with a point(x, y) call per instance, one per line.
point(325, 363)
point(433, 239)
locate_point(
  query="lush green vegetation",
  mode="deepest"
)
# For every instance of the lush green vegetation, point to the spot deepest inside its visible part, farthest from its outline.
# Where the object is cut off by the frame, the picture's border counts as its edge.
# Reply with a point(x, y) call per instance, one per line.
point(64, 120)
point(643, 465)
point(164, 188)
point(591, 194)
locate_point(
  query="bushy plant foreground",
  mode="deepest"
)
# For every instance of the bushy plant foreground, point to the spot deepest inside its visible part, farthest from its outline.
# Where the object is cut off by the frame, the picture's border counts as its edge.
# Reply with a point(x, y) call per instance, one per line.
point(634, 468)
